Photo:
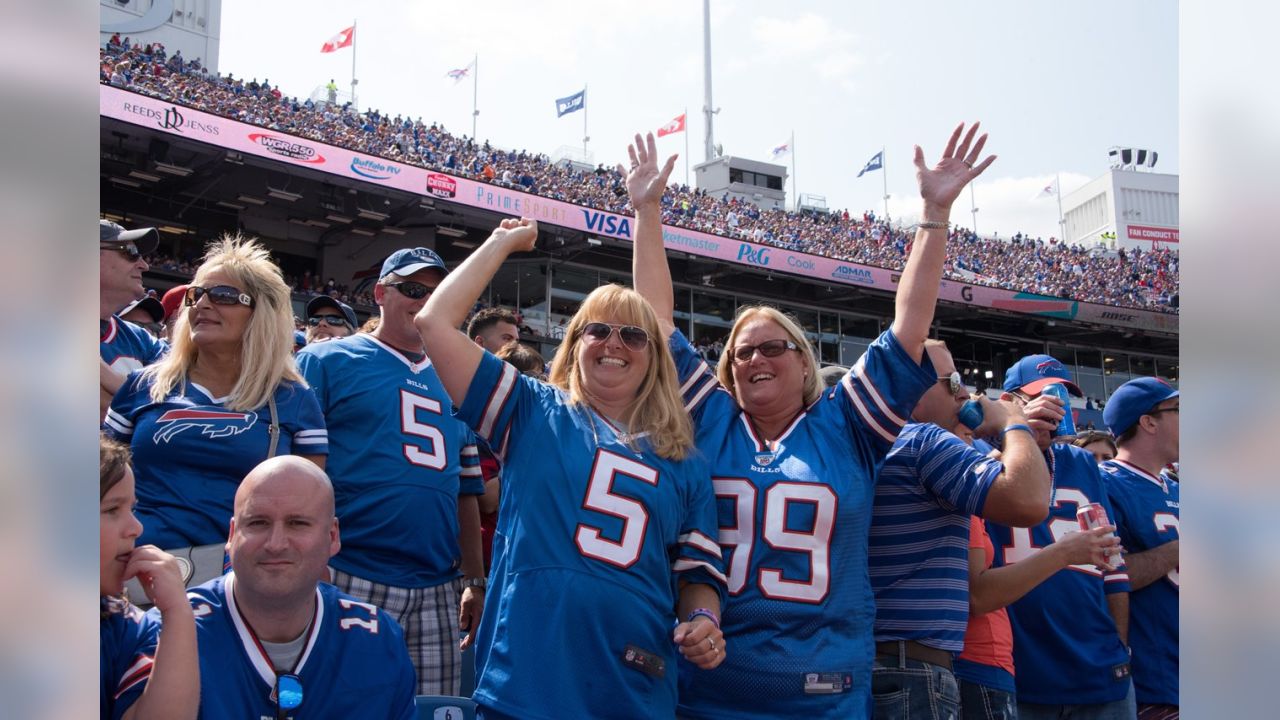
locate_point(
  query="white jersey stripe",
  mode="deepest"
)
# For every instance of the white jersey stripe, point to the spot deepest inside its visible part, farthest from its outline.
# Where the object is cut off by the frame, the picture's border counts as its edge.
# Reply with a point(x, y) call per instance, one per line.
point(506, 383)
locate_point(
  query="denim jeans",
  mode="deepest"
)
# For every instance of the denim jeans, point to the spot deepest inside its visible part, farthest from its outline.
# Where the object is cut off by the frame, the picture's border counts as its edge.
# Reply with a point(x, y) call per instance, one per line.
point(1126, 709)
point(913, 690)
point(979, 702)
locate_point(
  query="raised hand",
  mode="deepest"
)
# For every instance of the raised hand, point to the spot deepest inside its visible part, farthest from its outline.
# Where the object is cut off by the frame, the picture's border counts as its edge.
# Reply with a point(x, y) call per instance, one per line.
point(645, 182)
point(521, 235)
point(941, 184)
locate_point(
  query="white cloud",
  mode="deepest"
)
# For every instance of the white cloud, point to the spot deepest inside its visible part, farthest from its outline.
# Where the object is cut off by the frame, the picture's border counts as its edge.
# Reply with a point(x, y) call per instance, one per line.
point(809, 41)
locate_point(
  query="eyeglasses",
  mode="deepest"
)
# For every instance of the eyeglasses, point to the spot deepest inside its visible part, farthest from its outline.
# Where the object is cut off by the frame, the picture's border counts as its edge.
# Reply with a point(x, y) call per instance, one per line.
point(218, 295)
point(128, 249)
point(330, 320)
point(953, 382)
point(771, 348)
point(288, 692)
point(412, 290)
point(1157, 411)
point(635, 338)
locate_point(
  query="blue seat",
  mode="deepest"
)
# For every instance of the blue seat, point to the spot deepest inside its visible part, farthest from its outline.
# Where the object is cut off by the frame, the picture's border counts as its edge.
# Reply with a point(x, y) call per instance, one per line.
point(445, 707)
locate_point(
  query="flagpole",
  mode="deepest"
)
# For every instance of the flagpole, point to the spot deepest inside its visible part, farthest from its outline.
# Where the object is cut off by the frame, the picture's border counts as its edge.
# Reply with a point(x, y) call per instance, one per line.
point(1062, 229)
point(884, 175)
point(795, 189)
point(585, 136)
point(686, 145)
point(354, 104)
point(475, 90)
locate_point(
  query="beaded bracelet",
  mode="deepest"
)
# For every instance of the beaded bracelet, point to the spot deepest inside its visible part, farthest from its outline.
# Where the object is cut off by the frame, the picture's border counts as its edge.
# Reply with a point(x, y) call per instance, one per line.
point(715, 620)
point(931, 225)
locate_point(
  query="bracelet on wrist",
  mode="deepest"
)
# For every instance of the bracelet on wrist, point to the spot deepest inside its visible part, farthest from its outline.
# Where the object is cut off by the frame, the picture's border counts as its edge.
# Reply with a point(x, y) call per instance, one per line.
point(934, 225)
point(704, 612)
point(1018, 426)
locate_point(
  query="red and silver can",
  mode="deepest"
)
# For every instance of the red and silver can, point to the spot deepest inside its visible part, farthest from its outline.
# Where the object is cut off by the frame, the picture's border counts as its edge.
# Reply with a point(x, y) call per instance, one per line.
point(1093, 515)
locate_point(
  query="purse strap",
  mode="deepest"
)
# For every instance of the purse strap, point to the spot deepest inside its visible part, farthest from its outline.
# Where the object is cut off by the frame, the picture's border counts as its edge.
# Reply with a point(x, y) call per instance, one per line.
point(274, 430)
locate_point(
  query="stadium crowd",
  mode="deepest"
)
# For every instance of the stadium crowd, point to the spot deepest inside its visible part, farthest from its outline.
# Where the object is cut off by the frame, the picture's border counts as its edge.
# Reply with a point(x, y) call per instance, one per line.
point(1147, 280)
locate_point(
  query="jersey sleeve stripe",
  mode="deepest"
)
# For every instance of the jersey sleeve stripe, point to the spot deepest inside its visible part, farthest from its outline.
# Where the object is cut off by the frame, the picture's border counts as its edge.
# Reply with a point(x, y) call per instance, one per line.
point(470, 451)
point(686, 564)
point(1116, 577)
point(701, 394)
point(493, 409)
point(700, 541)
point(473, 471)
point(119, 423)
point(860, 370)
point(701, 371)
point(870, 420)
point(138, 672)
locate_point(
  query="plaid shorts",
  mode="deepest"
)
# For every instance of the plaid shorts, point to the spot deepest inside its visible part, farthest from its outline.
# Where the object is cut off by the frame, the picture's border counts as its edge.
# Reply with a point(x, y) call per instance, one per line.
point(429, 618)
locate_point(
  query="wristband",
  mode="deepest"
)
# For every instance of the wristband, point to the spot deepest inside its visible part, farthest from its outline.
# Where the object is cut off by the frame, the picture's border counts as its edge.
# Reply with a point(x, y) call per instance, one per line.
point(715, 620)
point(932, 225)
point(1019, 426)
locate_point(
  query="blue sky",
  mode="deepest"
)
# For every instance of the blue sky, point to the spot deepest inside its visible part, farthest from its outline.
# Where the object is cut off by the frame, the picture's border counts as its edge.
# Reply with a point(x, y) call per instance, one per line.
point(1056, 84)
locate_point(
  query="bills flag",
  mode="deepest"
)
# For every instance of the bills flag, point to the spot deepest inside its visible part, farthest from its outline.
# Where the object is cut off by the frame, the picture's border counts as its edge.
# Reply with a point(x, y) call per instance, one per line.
point(341, 40)
point(781, 151)
point(460, 74)
point(573, 103)
point(675, 126)
point(875, 163)
point(1047, 191)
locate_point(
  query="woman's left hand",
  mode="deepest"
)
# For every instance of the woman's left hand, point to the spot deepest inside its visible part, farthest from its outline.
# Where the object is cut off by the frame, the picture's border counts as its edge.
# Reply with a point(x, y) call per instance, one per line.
point(701, 642)
point(941, 184)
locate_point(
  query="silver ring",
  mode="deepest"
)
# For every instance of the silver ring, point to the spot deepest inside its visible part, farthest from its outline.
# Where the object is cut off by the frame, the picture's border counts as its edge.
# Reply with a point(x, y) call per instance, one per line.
point(713, 644)
point(967, 164)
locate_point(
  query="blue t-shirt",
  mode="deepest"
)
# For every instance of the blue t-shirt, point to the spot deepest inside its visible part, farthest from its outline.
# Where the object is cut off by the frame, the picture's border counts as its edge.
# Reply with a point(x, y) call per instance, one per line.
point(127, 649)
point(354, 663)
point(190, 453)
point(400, 459)
point(125, 347)
point(1065, 643)
point(593, 535)
point(794, 517)
point(929, 486)
point(1146, 516)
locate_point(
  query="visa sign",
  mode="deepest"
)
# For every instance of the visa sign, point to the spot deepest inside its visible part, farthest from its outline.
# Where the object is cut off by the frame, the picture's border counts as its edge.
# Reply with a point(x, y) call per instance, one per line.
point(757, 256)
point(607, 224)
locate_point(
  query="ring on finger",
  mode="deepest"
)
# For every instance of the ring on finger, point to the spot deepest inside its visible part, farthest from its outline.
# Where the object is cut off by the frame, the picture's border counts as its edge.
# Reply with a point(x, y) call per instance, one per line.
point(713, 644)
point(967, 164)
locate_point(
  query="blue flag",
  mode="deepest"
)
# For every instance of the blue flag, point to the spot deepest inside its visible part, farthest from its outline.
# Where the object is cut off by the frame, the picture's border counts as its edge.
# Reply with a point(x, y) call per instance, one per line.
point(573, 103)
point(875, 163)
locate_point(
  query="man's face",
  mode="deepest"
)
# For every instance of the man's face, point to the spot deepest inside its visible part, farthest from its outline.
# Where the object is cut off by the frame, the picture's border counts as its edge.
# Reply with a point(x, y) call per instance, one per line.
point(398, 308)
point(1168, 426)
point(327, 323)
point(497, 335)
point(282, 536)
point(119, 278)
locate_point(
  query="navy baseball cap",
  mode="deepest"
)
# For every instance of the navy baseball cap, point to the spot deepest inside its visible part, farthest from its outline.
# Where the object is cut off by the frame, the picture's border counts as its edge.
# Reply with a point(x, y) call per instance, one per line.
point(324, 301)
point(299, 339)
point(410, 260)
point(1134, 399)
point(146, 239)
point(1033, 373)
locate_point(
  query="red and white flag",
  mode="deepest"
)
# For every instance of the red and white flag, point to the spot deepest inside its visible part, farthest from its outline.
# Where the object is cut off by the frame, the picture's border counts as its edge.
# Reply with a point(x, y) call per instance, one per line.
point(341, 40)
point(676, 125)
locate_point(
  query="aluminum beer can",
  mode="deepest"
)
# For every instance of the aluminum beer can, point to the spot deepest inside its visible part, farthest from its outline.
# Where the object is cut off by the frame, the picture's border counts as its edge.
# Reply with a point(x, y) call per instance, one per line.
point(1093, 515)
point(971, 414)
point(1068, 424)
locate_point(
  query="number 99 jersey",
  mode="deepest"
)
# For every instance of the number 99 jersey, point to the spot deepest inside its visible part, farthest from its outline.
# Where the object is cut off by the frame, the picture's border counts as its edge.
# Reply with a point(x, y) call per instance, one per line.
point(794, 516)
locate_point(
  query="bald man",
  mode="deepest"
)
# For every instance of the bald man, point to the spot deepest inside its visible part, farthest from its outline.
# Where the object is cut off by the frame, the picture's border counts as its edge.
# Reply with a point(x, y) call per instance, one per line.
point(274, 641)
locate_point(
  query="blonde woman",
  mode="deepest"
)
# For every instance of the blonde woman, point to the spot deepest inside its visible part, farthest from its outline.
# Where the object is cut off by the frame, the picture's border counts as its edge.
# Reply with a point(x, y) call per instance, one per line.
point(604, 562)
point(226, 397)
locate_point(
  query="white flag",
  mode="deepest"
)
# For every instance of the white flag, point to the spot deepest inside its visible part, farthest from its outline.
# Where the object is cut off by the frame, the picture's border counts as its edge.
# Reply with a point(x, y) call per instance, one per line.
point(1047, 191)
point(460, 74)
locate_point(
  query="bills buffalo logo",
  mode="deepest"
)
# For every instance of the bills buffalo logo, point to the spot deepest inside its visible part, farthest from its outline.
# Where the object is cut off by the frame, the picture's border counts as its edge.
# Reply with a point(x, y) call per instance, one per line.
point(214, 423)
point(1049, 365)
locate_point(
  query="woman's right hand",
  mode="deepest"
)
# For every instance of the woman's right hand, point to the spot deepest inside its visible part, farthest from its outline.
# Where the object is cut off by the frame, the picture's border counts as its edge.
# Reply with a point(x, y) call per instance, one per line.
point(645, 182)
point(1088, 547)
point(160, 576)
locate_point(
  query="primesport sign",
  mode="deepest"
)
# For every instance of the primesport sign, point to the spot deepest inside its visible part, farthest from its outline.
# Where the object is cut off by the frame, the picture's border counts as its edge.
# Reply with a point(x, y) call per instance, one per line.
point(253, 140)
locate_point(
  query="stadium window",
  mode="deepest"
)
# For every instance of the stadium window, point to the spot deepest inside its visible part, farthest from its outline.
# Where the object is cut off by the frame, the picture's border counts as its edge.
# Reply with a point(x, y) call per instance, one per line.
point(712, 317)
point(829, 347)
point(735, 175)
point(775, 182)
point(1087, 371)
point(856, 335)
point(808, 320)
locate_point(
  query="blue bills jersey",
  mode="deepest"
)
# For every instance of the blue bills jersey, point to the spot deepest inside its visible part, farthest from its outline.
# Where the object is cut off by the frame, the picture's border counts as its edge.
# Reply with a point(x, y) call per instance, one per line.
point(930, 485)
point(127, 649)
point(400, 459)
point(1146, 516)
point(794, 516)
point(1065, 643)
point(353, 664)
point(594, 533)
point(190, 453)
point(125, 347)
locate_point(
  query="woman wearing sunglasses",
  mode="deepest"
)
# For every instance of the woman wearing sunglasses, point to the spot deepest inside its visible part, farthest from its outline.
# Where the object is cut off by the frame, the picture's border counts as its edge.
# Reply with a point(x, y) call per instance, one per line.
point(227, 396)
point(604, 562)
point(795, 467)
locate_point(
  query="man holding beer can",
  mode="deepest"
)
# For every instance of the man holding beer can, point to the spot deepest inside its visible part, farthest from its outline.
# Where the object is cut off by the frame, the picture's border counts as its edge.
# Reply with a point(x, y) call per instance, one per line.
point(1143, 415)
point(1070, 632)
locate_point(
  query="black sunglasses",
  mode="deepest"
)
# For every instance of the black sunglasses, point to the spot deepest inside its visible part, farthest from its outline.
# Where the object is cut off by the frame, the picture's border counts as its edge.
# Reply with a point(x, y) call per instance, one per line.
point(288, 692)
point(635, 338)
point(953, 382)
point(128, 249)
point(218, 295)
point(412, 290)
point(1157, 411)
point(330, 320)
point(771, 348)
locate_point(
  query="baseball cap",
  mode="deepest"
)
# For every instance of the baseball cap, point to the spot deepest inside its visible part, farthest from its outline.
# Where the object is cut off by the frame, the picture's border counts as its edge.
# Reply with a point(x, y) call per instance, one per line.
point(1134, 399)
point(1033, 373)
point(323, 301)
point(151, 305)
point(172, 300)
point(299, 339)
point(410, 260)
point(832, 374)
point(145, 238)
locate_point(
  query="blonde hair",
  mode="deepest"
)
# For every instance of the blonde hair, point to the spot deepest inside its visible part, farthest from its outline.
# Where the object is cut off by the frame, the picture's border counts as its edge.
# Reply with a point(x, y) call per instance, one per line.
point(724, 370)
point(266, 351)
point(658, 409)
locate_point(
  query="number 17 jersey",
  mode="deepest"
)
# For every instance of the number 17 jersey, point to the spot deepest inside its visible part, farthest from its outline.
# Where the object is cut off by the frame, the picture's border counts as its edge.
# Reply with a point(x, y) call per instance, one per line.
point(793, 522)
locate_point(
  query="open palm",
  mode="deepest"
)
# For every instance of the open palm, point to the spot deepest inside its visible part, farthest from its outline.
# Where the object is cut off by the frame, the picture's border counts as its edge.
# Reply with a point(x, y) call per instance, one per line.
point(645, 182)
point(941, 184)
